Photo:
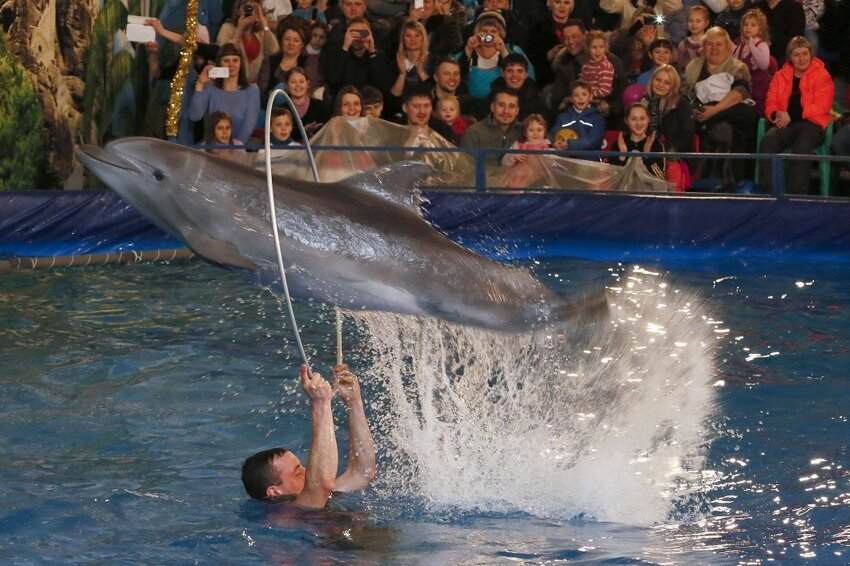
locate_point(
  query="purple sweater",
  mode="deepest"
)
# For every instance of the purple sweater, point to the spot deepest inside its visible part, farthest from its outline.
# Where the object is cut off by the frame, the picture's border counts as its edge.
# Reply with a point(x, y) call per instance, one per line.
point(243, 107)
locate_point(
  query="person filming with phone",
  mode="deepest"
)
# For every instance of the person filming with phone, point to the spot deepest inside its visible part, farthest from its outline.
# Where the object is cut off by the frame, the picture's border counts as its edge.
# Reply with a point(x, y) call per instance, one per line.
point(358, 62)
point(249, 30)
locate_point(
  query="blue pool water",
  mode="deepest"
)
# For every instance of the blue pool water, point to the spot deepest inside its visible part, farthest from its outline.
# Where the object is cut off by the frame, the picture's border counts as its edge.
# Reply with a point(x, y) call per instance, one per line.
point(708, 423)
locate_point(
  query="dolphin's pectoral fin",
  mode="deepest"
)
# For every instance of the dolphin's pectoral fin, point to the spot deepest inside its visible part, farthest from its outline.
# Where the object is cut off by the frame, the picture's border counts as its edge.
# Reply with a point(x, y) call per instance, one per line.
point(216, 250)
point(395, 182)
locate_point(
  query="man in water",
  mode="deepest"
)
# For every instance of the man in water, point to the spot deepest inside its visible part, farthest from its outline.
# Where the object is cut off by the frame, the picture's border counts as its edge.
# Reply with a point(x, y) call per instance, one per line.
point(277, 474)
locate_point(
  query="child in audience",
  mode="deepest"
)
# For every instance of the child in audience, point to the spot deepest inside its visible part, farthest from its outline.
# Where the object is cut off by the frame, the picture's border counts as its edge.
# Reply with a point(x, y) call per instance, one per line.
point(598, 71)
point(636, 139)
point(448, 112)
point(691, 47)
point(312, 55)
point(308, 11)
point(219, 131)
point(661, 53)
point(581, 127)
point(373, 102)
point(534, 137)
point(281, 135)
point(753, 49)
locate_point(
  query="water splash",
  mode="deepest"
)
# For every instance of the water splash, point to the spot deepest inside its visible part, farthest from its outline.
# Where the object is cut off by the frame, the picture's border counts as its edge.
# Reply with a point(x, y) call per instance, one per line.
point(604, 420)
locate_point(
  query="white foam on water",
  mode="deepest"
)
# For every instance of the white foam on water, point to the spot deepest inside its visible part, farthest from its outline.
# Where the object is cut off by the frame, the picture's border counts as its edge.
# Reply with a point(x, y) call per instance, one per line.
point(605, 420)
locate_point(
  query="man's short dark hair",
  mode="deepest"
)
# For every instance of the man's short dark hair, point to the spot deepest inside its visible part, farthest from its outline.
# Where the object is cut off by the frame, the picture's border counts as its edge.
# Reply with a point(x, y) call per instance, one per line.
point(447, 59)
point(514, 59)
point(258, 474)
point(420, 90)
point(371, 95)
point(503, 90)
point(576, 22)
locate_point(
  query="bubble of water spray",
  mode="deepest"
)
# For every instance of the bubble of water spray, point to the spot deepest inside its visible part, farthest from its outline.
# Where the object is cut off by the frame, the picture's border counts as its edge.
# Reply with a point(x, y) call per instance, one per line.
point(605, 420)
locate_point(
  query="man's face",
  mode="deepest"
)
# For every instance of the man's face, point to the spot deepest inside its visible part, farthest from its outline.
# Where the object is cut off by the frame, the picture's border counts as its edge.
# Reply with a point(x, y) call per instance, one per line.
point(574, 40)
point(360, 27)
point(497, 4)
point(290, 474)
point(515, 76)
point(418, 110)
point(448, 77)
point(353, 9)
point(736, 4)
point(505, 108)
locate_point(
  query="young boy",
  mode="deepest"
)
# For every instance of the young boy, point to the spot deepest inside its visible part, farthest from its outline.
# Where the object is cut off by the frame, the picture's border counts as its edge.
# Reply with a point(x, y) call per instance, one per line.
point(661, 53)
point(281, 125)
point(691, 47)
point(373, 102)
point(581, 127)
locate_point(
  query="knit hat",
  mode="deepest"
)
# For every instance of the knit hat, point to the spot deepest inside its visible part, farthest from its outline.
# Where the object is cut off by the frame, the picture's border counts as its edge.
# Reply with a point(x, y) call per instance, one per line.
point(494, 14)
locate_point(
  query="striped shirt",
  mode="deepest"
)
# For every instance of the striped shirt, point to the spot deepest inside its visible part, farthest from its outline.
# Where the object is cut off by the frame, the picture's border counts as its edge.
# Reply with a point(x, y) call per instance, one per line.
point(600, 75)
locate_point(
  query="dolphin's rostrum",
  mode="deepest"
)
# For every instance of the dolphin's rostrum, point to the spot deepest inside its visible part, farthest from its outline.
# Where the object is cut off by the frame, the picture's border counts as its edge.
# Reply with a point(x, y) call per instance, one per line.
point(360, 244)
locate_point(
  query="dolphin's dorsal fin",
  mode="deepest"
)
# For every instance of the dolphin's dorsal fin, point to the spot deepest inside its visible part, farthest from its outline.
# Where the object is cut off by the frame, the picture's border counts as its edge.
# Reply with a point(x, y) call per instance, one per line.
point(215, 250)
point(396, 182)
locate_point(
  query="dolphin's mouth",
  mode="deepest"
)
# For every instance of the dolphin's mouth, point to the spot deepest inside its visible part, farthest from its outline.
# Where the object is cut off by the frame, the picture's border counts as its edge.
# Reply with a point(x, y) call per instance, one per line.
point(94, 153)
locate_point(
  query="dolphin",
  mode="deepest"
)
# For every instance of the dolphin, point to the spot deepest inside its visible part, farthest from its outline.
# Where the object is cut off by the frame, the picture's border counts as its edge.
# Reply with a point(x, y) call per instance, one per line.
point(361, 243)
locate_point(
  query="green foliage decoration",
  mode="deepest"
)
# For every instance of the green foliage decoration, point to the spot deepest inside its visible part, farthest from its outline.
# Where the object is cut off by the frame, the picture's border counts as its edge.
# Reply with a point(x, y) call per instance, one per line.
point(21, 125)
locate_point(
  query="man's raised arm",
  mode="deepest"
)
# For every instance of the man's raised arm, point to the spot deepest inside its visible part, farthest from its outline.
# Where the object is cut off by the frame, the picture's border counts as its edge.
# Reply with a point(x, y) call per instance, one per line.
point(360, 470)
point(323, 459)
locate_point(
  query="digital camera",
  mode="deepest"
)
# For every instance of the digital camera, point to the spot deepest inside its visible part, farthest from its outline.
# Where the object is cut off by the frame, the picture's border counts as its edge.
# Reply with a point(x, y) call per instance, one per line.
point(248, 9)
point(486, 38)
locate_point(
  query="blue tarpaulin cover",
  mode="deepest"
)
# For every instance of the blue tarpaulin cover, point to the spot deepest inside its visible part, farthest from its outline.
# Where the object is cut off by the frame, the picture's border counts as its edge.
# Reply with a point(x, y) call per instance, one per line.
point(589, 225)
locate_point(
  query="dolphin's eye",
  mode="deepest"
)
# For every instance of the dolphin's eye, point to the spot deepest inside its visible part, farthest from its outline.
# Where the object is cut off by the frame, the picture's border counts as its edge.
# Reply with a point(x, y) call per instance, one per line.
point(157, 174)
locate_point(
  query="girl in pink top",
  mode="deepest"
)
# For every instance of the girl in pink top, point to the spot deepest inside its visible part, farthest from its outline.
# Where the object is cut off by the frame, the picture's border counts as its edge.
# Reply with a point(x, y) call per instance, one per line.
point(753, 49)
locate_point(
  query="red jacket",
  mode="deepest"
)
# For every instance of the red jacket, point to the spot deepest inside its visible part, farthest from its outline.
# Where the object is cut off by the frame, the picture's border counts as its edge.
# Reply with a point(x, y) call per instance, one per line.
point(817, 90)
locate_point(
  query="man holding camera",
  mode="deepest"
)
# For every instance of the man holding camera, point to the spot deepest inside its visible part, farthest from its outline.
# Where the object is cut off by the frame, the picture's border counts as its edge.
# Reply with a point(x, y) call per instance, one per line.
point(357, 62)
point(253, 36)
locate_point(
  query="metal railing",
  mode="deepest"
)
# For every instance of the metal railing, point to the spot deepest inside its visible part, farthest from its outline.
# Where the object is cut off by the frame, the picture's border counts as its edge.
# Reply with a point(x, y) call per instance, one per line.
point(480, 156)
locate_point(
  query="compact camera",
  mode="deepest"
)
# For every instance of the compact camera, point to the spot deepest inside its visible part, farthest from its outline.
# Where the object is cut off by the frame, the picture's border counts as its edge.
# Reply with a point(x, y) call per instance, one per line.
point(248, 10)
point(486, 38)
point(219, 73)
point(363, 32)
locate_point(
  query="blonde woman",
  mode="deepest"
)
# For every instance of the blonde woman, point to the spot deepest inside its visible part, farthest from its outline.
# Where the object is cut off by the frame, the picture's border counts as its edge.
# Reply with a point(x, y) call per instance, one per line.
point(413, 61)
point(670, 118)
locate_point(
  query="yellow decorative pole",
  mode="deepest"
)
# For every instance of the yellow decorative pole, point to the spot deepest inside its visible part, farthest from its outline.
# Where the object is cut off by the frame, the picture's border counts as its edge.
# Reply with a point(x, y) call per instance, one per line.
point(190, 40)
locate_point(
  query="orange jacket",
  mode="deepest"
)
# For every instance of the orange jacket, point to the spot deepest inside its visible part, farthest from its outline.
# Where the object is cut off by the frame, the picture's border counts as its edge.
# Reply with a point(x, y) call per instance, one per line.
point(817, 90)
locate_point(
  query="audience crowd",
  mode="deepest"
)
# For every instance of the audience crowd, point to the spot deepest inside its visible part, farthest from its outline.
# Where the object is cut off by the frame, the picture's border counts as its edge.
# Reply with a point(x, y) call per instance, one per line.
point(668, 75)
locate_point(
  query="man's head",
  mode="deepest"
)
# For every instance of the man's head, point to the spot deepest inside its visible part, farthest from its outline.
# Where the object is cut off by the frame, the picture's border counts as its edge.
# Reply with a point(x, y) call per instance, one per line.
point(363, 28)
point(417, 106)
point(272, 473)
point(504, 107)
point(515, 70)
point(353, 9)
point(573, 36)
point(373, 102)
point(447, 75)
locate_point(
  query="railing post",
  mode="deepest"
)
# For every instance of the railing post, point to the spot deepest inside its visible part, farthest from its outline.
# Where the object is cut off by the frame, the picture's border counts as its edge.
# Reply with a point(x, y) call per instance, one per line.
point(777, 175)
point(480, 170)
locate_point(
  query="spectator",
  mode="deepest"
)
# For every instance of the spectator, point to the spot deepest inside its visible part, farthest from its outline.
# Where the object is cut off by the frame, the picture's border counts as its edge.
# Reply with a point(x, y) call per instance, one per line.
point(718, 85)
point(631, 44)
point(581, 127)
point(233, 95)
point(442, 25)
point(499, 130)
point(798, 103)
point(533, 138)
point(691, 47)
point(348, 103)
point(337, 27)
point(447, 111)
point(447, 82)
point(670, 118)
point(219, 131)
point(730, 18)
point(308, 12)
point(293, 39)
point(484, 51)
point(597, 70)
point(753, 49)
point(630, 8)
point(312, 112)
point(373, 102)
point(514, 23)
point(660, 53)
point(413, 62)
point(417, 110)
point(313, 56)
point(637, 139)
point(549, 38)
point(785, 19)
point(358, 63)
point(515, 77)
point(813, 11)
point(249, 30)
point(281, 127)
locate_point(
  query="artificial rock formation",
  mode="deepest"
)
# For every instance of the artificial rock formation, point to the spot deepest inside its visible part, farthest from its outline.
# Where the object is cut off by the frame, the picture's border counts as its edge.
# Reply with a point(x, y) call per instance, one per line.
point(51, 38)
